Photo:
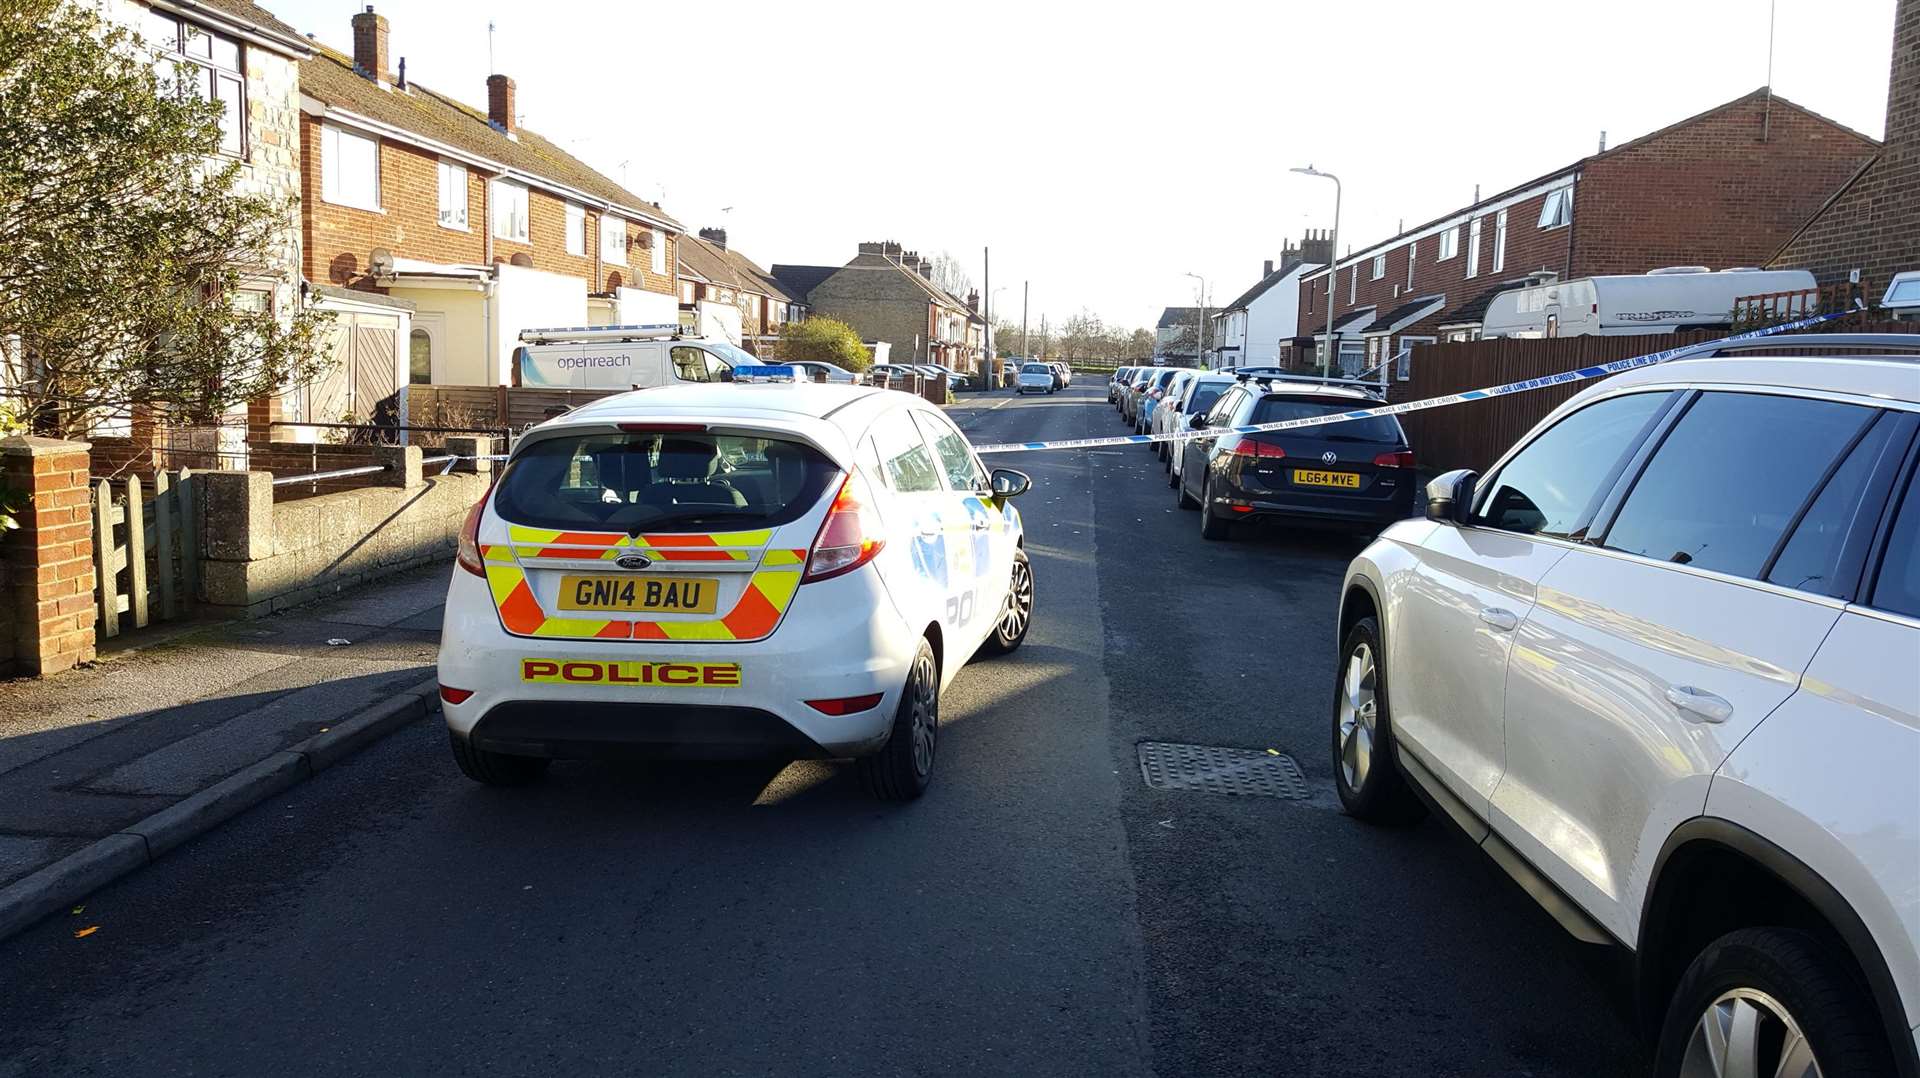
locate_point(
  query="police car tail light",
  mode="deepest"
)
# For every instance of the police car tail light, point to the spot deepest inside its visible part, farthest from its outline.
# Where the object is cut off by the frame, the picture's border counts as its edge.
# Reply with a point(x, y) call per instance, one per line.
point(846, 540)
point(467, 554)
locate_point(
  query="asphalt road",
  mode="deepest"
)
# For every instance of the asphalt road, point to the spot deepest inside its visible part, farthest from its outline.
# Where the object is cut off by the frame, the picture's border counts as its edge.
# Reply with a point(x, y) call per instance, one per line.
point(1040, 911)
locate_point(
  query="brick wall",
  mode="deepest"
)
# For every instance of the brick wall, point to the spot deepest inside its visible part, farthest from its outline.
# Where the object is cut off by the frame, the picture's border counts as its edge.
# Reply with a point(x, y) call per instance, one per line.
point(338, 239)
point(1874, 225)
point(1711, 192)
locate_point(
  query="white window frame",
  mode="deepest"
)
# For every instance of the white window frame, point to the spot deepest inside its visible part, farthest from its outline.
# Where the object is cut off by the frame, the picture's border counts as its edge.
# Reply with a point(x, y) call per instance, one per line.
point(1499, 241)
point(333, 154)
point(1403, 363)
point(574, 221)
point(659, 252)
point(515, 192)
point(1473, 247)
point(1413, 253)
point(1449, 244)
point(1353, 282)
point(613, 240)
point(452, 177)
point(1557, 210)
point(1379, 267)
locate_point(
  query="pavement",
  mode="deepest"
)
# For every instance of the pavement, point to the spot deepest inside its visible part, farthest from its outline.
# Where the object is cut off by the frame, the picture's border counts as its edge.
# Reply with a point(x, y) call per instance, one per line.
point(1039, 911)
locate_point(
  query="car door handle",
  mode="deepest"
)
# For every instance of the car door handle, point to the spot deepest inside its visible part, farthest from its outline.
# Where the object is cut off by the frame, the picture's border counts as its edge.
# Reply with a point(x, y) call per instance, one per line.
point(980, 524)
point(1699, 704)
point(928, 533)
point(1504, 620)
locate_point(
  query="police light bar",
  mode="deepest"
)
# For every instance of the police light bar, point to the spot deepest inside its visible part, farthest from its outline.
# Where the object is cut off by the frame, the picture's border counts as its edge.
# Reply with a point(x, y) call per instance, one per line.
point(651, 332)
point(747, 372)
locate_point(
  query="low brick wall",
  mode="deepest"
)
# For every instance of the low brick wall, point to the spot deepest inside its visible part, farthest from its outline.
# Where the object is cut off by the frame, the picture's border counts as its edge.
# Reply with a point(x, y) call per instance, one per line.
point(259, 556)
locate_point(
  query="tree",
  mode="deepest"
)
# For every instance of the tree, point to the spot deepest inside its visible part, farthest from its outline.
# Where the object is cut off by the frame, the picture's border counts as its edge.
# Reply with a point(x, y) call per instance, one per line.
point(823, 340)
point(950, 275)
point(1139, 346)
point(126, 238)
point(1006, 337)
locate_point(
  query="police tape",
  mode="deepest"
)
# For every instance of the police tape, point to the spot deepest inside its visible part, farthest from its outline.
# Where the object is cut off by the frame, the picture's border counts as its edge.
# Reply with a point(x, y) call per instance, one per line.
point(1600, 370)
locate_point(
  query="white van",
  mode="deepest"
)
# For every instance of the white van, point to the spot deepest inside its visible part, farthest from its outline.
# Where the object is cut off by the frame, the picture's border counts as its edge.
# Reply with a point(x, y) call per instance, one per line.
point(623, 357)
point(1683, 297)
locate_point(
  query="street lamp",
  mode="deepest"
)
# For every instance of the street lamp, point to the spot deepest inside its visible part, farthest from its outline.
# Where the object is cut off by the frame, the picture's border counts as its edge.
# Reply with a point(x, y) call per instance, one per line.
point(1333, 261)
point(1199, 327)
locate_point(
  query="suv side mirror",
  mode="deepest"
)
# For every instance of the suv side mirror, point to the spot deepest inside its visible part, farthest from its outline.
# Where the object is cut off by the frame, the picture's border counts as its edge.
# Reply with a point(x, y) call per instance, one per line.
point(1198, 422)
point(1008, 483)
point(1450, 496)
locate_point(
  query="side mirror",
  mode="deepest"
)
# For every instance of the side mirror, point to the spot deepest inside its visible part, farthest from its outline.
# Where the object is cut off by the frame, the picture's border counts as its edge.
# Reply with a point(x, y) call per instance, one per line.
point(1198, 422)
point(1008, 483)
point(1450, 496)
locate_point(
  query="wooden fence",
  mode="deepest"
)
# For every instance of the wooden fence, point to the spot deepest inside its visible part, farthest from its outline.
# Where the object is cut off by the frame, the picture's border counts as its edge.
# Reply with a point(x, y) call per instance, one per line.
point(490, 409)
point(1474, 434)
point(145, 550)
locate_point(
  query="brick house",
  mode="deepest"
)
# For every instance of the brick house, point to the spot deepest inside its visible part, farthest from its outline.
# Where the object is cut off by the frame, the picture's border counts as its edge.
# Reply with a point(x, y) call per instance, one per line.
point(448, 230)
point(1723, 188)
point(1176, 337)
point(888, 294)
point(1252, 327)
point(1871, 222)
point(713, 273)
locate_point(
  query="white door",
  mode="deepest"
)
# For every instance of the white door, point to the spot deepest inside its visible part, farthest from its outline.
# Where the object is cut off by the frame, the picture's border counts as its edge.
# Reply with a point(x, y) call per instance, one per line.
point(1652, 654)
point(915, 561)
point(978, 538)
point(1451, 627)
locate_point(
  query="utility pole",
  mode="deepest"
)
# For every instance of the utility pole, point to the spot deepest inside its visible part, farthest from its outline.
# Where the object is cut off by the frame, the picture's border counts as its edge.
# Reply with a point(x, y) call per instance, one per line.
point(988, 361)
point(1024, 354)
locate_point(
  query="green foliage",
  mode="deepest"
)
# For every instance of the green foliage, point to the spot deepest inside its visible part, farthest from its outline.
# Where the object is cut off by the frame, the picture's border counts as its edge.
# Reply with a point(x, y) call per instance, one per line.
point(11, 498)
point(824, 340)
point(127, 243)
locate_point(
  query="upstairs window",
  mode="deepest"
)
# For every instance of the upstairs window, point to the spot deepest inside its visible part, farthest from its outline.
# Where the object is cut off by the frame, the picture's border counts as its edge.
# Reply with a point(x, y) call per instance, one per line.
point(1499, 241)
point(576, 225)
point(659, 250)
point(509, 211)
point(453, 195)
point(613, 240)
point(1449, 244)
point(1557, 210)
point(349, 169)
point(1379, 267)
point(1413, 252)
point(1353, 283)
point(217, 72)
point(1473, 247)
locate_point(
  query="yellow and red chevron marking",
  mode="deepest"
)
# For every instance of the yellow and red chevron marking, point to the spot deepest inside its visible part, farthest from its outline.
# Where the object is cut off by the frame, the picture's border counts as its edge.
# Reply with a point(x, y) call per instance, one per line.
point(768, 593)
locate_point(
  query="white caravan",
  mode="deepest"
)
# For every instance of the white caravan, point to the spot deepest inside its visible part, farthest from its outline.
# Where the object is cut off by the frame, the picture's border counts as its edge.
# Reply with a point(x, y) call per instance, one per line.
point(1682, 297)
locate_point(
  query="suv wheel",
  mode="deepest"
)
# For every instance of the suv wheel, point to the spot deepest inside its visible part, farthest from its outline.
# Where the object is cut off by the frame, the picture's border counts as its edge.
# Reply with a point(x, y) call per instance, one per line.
point(903, 767)
point(1769, 1001)
point(495, 768)
point(1016, 610)
point(1369, 782)
point(1212, 526)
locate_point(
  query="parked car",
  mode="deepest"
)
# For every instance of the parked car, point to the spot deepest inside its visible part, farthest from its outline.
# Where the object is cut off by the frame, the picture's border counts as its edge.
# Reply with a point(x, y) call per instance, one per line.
point(1136, 390)
point(865, 553)
point(1037, 377)
point(1116, 383)
point(809, 367)
point(955, 379)
point(1353, 474)
point(1169, 404)
point(1150, 397)
point(1066, 375)
point(1196, 399)
point(1659, 663)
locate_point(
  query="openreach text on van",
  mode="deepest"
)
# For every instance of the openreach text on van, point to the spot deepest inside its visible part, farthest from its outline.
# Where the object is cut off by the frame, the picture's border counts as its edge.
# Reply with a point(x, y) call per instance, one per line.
point(614, 359)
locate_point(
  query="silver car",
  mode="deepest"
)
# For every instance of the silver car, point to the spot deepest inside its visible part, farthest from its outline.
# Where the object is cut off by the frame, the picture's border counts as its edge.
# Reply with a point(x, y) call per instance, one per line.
point(1197, 395)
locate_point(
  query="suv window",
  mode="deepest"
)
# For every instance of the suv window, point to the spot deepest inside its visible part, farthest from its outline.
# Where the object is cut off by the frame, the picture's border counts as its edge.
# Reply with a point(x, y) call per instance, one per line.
point(1380, 428)
point(1898, 587)
point(1203, 396)
point(1548, 486)
point(904, 453)
point(661, 482)
point(963, 470)
point(1811, 558)
point(1727, 481)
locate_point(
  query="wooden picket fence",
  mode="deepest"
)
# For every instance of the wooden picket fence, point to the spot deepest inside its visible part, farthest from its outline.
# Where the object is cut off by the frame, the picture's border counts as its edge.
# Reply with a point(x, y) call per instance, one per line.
point(145, 550)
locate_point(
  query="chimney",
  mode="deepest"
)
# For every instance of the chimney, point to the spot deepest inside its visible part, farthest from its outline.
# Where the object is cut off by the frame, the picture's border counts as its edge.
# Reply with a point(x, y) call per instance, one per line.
point(499, 102)
point(891, 250)
point(973, 301)
point(400, 83)
point(1317, 247)
point(718, 237)
point(1603, 142)
point(926, 269)
point(873, 248)
point(1903, 88)
point(1266, 269)
point(370, 45)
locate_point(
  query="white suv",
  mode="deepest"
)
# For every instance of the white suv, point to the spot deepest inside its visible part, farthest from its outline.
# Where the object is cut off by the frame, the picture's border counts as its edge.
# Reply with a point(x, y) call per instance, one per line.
point(1662, 664)
point(779, 570)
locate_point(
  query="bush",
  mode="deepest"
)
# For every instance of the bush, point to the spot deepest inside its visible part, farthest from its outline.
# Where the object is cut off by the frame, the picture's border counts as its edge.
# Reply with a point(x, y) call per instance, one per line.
point(824, 340)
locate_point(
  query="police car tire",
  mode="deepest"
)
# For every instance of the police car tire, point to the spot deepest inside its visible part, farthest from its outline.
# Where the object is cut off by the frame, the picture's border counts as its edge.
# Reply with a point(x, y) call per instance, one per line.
point(999, 642)
point(495, 768)
point(891, 774)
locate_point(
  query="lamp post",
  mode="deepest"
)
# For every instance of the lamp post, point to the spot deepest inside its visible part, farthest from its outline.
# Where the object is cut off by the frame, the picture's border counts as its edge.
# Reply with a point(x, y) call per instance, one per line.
point(1200, 324)
point(1333, 262)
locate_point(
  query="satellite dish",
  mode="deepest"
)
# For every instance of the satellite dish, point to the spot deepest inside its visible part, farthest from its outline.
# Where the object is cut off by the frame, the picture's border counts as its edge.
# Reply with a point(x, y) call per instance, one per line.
point(380, 262)
point(522, 258)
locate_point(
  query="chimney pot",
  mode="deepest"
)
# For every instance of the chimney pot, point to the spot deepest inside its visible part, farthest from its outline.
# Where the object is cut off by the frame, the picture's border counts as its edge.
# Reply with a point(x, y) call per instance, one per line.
point(715, 236)
point(1267, 269)
point(370, 45)
point(500, 102)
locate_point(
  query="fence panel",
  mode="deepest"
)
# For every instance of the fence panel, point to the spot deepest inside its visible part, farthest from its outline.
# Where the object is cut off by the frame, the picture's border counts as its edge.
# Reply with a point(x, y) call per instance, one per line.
point(144, 551)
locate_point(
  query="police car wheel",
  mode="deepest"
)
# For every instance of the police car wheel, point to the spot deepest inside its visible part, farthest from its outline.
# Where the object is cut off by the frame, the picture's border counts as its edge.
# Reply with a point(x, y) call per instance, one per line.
point(903, 768)
point(1016, 610)
point(495, 768)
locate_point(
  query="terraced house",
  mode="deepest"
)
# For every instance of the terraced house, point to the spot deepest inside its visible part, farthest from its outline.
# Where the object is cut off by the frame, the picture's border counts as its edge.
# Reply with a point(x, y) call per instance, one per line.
point(887, 294)
point(439, 231)
point(718, 283)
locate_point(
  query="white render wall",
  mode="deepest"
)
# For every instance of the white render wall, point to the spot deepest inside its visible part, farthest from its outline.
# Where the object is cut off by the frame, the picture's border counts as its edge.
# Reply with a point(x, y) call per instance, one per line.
point(1274, 317)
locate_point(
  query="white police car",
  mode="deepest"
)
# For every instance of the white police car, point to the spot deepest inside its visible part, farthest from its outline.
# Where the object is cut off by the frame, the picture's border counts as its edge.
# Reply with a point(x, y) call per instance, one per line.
point(730, 571)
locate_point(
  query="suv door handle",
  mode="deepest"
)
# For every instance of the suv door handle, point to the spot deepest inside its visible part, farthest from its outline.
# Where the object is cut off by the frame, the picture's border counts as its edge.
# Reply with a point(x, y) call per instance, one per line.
point(1505, 621)
point(1699, 704)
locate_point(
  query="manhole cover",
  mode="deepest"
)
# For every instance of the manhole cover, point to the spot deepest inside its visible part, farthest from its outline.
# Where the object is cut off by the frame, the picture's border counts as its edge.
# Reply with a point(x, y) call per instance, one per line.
point(1217, 769)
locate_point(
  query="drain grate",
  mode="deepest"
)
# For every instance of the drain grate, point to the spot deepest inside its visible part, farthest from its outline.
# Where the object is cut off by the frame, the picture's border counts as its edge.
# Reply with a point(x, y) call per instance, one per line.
point(1217, 769)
